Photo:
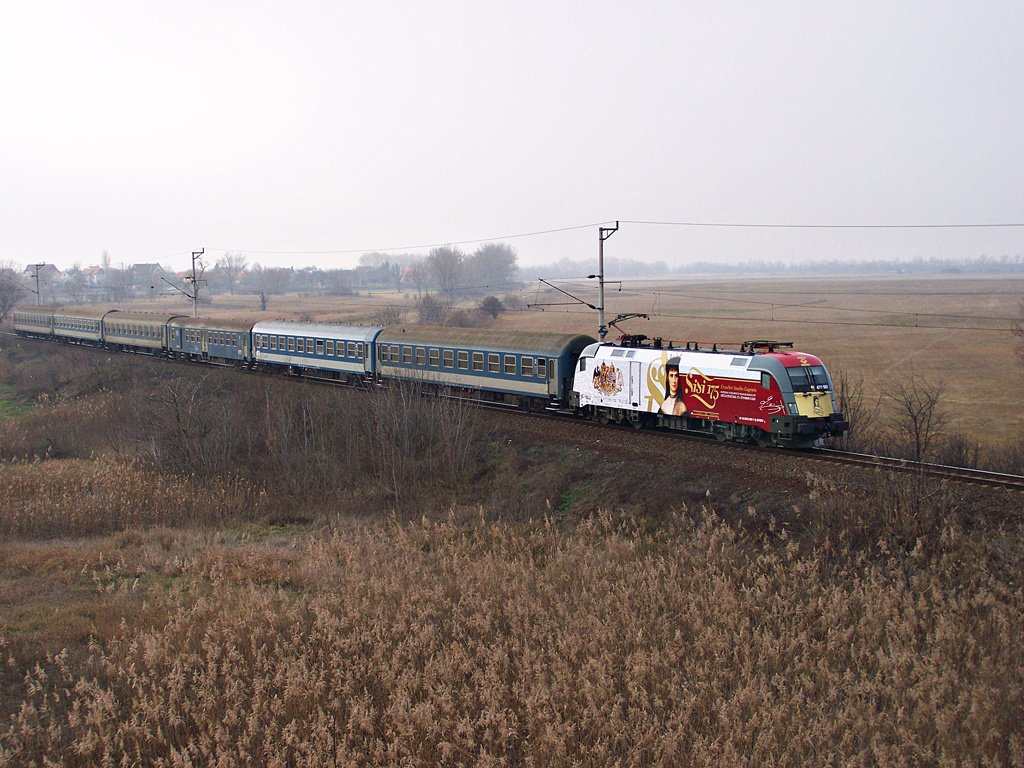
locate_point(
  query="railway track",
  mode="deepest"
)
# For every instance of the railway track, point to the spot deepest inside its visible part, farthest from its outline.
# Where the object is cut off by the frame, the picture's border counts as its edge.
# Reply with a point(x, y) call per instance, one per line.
point(938, 471)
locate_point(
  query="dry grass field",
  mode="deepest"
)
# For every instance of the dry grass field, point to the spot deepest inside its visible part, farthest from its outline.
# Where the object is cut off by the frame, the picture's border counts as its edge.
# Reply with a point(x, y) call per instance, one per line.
point(206, 568)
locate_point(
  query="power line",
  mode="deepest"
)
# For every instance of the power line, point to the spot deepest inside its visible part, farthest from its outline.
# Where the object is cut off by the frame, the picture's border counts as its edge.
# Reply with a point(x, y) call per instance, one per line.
point(734, 225)
point(419, 247)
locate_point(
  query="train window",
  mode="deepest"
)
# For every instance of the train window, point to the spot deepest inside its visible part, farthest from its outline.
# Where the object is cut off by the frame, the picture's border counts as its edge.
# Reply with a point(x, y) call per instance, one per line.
point(309, 346)
point(291, 343)
point(360, 350)
point(407, 355)
point(435, 357)
point(542, 368)
point(510, 365)
point(551, 369)
point(527, 366)
point(300, 346)
point(319, 346)
point(493, 363)
point(449, 359)
point(352, 349)
point(421, 356)
point(478, 361)
point(808, 378)
point(464, 360)
point(273, 342)
point(766, 380)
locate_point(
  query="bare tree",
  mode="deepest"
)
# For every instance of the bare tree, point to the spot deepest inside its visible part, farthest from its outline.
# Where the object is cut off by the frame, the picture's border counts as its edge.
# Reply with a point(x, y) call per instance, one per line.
point(918, 416)
point(432, 310)
point(492, 264)
point(11, 291)
point(419, 273)
point(338, 282)
point(448, 265)
point(232, 267)
point(119, 283)
point(74, 286)
point(264, 282)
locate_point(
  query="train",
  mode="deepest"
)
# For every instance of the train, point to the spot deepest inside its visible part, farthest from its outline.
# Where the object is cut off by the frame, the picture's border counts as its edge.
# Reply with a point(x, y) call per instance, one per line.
point(763, 392)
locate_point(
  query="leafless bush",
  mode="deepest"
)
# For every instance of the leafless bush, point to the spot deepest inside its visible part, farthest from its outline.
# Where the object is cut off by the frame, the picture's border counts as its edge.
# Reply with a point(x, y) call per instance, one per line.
point(462, 318)
point(917, 418)
point(960, 450)
point(388, 315)
point(862, 415)
point(416, 441)
point(432, 310)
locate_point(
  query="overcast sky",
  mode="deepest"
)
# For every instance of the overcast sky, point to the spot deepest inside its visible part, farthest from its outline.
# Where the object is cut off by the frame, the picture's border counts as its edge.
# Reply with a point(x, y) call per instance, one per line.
point(289, 130)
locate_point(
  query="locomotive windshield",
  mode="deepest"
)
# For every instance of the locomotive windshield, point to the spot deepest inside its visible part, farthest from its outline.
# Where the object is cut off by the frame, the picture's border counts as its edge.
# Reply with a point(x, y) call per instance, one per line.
point(808, 378)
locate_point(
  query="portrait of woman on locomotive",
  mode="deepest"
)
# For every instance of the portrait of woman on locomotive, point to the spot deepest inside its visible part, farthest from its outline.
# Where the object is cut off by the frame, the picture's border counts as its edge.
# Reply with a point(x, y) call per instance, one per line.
point(673, 404)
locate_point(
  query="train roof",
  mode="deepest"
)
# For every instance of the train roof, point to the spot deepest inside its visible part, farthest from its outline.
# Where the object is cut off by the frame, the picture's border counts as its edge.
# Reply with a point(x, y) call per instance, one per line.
point(208, 323)
point(83, 313)
point(365, 333)
point(532, 342)
point(140, 317)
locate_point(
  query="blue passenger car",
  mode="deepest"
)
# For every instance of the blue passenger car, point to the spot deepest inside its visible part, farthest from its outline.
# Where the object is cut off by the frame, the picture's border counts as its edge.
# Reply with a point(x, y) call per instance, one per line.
point(321, 349)
point(197, 338)
point(516, 367)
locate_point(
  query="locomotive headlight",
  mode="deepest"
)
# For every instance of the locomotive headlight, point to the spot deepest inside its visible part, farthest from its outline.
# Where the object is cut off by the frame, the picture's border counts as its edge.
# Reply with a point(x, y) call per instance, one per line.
point(793, 409)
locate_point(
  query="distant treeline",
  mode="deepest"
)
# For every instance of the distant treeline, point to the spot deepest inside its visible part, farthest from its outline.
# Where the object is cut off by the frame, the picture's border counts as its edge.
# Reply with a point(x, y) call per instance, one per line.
point(566, 268)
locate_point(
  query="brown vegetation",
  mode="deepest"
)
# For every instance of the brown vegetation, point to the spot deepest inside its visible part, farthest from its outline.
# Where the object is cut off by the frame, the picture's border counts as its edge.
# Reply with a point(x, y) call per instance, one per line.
point(205, 567)
point(439, 644)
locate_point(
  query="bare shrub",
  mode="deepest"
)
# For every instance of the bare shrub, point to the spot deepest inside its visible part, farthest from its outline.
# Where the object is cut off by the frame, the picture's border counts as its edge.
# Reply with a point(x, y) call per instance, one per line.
point(388, 314)
point(432, 310)
point(1008, 457)
point(918, 418)
point(861, 415)
point(960, 450)
point(415, 441)
point(462, 318)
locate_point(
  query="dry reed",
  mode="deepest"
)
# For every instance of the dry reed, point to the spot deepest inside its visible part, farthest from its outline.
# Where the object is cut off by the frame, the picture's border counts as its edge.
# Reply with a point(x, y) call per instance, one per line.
point(440, 645)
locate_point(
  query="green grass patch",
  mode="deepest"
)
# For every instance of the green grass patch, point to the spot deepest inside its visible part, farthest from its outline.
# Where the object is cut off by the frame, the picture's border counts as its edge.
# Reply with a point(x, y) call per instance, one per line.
point(11, 407)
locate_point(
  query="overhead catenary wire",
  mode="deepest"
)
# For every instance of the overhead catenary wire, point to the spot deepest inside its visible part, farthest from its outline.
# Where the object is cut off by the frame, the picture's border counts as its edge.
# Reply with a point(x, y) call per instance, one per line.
point(635, 222)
